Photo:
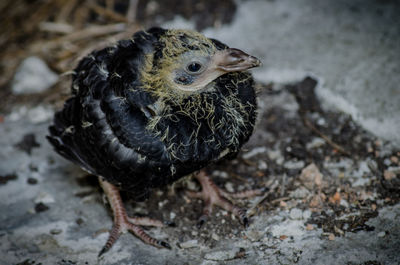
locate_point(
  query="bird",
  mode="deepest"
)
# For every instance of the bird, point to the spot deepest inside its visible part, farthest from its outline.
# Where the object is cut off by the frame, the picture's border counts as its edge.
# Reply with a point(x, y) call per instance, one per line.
point(155, 108)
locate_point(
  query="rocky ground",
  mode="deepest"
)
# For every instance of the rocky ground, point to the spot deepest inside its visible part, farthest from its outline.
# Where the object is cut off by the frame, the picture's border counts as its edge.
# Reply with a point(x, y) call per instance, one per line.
point(333, 181)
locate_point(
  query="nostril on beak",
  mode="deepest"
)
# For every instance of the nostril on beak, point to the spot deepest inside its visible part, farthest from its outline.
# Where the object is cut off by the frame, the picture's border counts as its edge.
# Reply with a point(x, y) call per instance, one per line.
point(235, 52)
point(232, 60)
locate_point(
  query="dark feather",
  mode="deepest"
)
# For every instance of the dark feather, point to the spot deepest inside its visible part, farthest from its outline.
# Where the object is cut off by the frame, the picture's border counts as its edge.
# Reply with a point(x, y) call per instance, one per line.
point(103, 127)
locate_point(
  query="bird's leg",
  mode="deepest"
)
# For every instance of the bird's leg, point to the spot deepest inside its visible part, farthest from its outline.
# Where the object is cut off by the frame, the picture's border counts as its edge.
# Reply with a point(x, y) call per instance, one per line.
point(212, 195)
point(123, 223)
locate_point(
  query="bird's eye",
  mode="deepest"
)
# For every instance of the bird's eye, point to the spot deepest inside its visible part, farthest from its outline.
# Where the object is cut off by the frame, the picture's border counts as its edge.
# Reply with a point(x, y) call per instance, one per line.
point(193, 67)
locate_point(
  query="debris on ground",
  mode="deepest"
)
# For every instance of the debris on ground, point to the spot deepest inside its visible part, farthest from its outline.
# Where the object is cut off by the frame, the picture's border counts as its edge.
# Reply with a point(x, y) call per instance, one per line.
point(331, 189)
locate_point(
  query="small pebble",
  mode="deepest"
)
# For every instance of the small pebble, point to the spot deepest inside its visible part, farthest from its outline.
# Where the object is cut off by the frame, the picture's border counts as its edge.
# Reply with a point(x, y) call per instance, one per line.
point(296, 214)
point(189, 244)
point(387, 162)
point(311, 176)
point(254, 152)
point(274, 154)
point(191, 185)
point(292, 164)
point(172, 215)
point(223, 174)
point(306, 214)
point(221, 255)
point(262, 165)
point(41, 207)
point(315, 143)
point(283, 237)
point(254, 235)
point(331, 237)
point(382, 234)
point(309, 227)
point(344, 203)
point(395, 170)
point(32, 181)
point(321, 121)
point(299, 193)
point(33, 76)
point(162, 203)
point(55, 231)
point(215, 237)
point(388, 175)
point(44, 197)
point(229, 187)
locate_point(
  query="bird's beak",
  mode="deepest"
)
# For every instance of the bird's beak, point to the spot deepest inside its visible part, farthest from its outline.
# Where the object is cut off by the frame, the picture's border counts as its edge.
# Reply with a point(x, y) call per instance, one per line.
point(233, 60)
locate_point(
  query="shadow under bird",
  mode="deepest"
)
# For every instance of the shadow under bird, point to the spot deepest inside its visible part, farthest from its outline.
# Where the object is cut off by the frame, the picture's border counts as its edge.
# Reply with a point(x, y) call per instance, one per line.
point(150, 110)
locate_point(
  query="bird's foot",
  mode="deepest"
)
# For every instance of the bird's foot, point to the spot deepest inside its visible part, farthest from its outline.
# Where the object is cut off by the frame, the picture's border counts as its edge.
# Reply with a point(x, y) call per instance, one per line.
point(212, 195)
point(123, 223)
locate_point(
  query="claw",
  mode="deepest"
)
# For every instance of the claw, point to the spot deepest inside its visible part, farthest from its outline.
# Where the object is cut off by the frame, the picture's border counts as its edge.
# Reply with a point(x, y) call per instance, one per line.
point(102, 251)
point(123, 223)
point(241, 213)
point(164, 244)
point(169, 223)
point(202, 220)
point(245, 222)
point(212, 195)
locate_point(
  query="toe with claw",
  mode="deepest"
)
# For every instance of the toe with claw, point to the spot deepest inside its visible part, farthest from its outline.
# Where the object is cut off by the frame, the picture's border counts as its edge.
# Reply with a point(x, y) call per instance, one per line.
point(212, 195)
point(123, 223)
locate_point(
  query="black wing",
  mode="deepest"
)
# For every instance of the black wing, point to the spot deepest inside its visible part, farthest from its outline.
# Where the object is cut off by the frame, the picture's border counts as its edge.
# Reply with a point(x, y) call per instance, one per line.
point(102, 127)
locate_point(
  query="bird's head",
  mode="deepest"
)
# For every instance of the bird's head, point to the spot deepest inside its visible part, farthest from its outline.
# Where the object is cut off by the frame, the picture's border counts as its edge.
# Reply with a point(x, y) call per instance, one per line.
point(185, 62)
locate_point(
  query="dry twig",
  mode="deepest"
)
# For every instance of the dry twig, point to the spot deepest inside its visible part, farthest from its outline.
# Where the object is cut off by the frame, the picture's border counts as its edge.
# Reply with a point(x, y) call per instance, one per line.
point(308, 123)
point(108, 13)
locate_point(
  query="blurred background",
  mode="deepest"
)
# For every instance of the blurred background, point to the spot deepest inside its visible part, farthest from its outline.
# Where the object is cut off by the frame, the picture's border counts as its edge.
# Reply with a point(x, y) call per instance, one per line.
point(60, 32)
point(352, 47)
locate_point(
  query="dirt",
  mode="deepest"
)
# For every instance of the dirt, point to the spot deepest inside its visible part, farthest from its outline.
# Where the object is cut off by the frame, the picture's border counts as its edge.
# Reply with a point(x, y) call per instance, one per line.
point(294, 132)
point(27, 143)
point(360, 175)
point(291, 135)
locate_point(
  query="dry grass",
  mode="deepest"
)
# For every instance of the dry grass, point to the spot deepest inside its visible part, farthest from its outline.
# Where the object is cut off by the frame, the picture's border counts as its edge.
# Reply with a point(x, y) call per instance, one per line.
point(60, 32)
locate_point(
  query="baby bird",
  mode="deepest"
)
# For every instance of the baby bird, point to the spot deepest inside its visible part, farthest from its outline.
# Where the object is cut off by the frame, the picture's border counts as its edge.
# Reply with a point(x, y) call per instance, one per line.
point(152, 109)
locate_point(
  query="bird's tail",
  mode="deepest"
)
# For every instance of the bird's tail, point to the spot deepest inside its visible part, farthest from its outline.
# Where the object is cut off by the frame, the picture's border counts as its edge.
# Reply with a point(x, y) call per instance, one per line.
point(62, 134)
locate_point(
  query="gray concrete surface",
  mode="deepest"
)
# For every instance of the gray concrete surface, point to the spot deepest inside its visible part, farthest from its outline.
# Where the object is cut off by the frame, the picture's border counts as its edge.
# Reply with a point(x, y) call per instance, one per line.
point(73, 228)
point(351, 47)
